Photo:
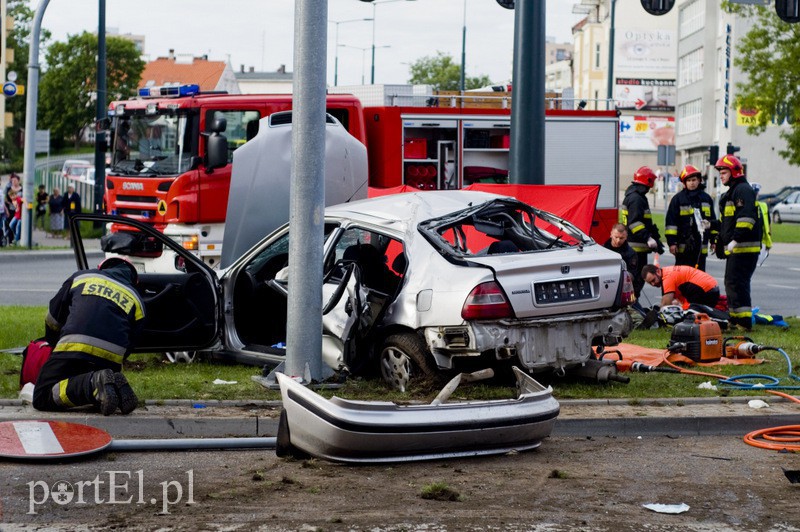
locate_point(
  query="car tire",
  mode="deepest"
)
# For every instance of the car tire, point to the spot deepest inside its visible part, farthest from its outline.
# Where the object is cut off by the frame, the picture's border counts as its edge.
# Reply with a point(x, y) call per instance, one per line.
point(776, 218)
point(178, 357)
point(404, 357)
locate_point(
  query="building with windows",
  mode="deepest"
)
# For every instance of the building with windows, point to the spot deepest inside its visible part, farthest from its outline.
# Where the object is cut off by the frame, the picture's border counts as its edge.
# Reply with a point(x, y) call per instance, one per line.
point(643, 78)
point(706, 111)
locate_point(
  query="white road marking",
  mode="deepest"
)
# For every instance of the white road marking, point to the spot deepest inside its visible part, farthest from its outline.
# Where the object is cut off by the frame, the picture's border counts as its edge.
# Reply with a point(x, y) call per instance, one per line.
point(782, 286)
point(37, 438)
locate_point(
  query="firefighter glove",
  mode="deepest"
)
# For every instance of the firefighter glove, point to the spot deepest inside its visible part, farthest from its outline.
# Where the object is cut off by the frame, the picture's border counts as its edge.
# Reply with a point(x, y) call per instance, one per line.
point(651, 243)
point(706, 225)
point(731, 245)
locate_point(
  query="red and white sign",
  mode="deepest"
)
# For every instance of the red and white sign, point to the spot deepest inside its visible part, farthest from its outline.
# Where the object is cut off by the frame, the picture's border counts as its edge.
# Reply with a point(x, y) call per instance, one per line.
point(49, 439)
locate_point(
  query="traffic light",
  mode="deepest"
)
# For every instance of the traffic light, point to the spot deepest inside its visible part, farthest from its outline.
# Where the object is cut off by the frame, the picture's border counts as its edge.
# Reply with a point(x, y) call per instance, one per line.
point(788, 10)
point(713, 155)
point(658, 7)
point(732, 149)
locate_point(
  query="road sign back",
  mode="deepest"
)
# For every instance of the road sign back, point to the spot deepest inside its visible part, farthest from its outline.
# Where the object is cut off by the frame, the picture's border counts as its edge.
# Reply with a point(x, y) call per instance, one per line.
point(42, 439)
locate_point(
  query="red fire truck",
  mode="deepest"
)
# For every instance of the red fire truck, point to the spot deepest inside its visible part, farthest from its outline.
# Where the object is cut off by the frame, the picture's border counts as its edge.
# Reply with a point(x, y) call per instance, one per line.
point(436, 147)
point(161, 172)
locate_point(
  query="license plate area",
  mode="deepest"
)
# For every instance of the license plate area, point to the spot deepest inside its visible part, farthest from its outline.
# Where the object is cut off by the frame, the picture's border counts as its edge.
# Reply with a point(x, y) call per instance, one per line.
point(564, 291)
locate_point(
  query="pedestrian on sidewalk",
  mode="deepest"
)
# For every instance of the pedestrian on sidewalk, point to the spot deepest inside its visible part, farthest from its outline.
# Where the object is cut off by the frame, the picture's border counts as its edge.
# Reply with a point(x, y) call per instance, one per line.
point(72, 204)
point(56, 204)
point(41, 205)
point(9, 212)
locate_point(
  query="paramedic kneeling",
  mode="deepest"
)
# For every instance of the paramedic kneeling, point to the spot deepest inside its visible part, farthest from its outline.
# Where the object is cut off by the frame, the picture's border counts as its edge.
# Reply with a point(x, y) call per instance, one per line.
point(686, 284)
point(91, 321)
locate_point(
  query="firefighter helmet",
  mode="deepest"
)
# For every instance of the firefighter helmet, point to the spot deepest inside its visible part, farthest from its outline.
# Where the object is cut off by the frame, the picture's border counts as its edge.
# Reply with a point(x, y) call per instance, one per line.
point(732, 163)
point(689, 171)
point(110, 262)
point(645, 176)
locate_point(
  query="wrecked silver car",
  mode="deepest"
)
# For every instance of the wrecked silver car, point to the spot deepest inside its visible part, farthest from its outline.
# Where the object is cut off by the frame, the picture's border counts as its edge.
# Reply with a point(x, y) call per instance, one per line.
point(417, 284)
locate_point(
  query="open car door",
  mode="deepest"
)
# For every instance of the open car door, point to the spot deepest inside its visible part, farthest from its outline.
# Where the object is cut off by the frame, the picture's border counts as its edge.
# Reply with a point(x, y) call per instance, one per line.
point(182, 307)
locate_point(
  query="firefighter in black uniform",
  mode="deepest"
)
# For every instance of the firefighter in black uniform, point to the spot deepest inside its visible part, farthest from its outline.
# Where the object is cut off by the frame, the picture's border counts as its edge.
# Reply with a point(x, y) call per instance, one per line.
point(688, 221)
point(739, 238)
point(643, 235)
point(91, 321)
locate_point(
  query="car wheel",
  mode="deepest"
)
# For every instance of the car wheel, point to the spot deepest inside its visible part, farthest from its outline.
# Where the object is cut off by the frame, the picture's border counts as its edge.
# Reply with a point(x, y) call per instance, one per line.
point(403, 357)
point(176, 357)
point(776, 218)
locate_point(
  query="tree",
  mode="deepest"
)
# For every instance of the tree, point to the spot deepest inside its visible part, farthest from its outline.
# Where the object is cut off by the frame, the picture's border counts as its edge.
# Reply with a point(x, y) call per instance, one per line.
point(770, 57)
point(18, 40)
point(69, 86)
point(443, 74)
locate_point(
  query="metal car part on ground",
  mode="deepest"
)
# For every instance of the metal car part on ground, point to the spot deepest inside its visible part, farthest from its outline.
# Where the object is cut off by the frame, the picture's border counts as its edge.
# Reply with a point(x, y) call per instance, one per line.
point(416, 284)
point(364, 432)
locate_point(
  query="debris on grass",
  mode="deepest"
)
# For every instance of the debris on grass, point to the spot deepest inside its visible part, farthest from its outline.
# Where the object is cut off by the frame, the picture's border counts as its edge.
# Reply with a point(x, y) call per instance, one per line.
point(440, 491)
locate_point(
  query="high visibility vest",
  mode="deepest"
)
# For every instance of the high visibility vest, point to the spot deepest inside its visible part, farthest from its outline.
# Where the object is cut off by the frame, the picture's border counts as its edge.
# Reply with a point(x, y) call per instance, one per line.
point(766, 236)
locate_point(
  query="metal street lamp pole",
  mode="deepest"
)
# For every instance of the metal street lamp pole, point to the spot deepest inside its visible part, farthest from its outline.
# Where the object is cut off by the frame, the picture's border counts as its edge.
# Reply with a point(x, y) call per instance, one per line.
point(374, 5)
point(363, 55)
point(610, 87)
point(336, 48)
point(464, 49)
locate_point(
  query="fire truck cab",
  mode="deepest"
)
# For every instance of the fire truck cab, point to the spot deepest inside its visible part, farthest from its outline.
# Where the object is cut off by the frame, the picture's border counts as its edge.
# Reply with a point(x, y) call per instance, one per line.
point(162, 170)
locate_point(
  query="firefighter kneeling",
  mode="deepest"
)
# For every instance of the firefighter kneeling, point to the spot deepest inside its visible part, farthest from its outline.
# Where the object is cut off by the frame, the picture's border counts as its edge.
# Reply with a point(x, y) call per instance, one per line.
point(91, 321)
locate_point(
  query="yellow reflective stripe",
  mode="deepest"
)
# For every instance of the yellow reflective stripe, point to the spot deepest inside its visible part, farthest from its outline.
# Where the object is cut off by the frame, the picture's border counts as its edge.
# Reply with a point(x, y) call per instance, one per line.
point(636, 227)
point(648, 216)
point(704, 251)
point(62, 394)
point(729, 210)
point(706, 208)
point(687, 211)
point(756, 249)
point(742, 314)
point(671, 231)
point(637, 247)
point(89, 350)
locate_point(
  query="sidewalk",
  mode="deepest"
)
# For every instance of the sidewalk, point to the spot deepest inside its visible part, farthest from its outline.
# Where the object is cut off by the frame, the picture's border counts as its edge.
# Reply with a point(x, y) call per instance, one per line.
point(45, 244)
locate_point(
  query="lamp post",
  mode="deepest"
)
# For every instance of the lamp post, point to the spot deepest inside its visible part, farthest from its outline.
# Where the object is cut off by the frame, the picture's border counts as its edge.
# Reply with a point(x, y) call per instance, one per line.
point(610, 87)
point(363, 55)
point(374, 5)
point(336, 48)
point(464, 50)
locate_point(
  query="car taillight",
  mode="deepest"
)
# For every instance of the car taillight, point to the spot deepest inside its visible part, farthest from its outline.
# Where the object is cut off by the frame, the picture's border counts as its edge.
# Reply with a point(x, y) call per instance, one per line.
point(626, 295)
point(486, 302)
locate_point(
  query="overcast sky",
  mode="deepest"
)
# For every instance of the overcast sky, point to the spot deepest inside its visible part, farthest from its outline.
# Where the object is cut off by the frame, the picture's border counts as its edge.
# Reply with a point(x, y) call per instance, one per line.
point(259, 33)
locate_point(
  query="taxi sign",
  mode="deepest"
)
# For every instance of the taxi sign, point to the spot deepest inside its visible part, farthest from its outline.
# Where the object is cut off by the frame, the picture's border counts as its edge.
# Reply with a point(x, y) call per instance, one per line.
point(44, 439)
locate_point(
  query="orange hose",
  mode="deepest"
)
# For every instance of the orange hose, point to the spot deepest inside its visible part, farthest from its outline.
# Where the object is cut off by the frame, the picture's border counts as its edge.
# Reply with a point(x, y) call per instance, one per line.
point(785, 438)
point(689, 371)
point(784, 395)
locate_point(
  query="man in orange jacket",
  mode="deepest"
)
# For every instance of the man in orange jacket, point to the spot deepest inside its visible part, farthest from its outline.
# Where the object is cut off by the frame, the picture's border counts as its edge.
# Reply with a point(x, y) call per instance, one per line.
point(685, 284)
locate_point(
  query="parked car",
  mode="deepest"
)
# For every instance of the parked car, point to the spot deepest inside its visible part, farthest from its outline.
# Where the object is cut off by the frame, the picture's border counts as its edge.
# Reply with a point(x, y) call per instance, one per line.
point(773, 198)
point(415, 284)
point(78, 170)
point(787, 210)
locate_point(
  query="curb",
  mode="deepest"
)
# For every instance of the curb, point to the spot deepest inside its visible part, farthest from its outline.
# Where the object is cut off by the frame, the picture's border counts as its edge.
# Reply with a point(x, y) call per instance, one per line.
point(261, 419)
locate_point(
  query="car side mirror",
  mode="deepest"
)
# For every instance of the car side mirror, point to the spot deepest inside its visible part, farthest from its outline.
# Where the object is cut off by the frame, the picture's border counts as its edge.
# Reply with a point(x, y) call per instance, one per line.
point(216, 151)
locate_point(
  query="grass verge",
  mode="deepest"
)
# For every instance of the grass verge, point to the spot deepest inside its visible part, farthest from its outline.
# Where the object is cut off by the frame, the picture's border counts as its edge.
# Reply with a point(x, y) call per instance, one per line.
point(155, 379)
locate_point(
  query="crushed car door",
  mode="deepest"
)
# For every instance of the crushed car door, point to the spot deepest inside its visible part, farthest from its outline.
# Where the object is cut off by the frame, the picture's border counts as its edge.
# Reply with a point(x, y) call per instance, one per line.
point(181, 305)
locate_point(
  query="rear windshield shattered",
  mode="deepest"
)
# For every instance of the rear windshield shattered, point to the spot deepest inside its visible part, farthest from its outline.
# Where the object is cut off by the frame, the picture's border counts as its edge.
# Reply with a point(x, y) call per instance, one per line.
point(501, 226)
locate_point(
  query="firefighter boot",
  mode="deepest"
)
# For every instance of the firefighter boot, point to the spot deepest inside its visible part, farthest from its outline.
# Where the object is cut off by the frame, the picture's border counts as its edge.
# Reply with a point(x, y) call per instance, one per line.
point(105, 394)
point(127, 398)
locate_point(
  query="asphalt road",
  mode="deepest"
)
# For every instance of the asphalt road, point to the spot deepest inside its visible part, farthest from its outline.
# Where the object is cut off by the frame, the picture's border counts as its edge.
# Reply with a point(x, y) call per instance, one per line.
point(32, 278)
